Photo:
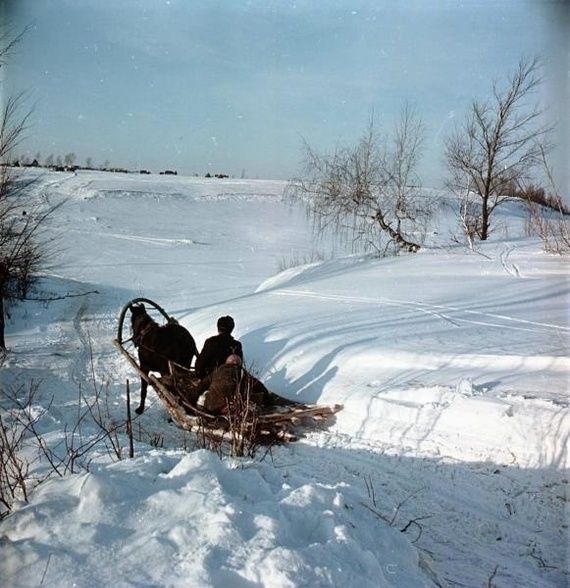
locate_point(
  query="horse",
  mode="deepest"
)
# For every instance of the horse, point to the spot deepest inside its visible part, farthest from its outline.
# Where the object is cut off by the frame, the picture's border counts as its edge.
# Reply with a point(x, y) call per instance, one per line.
point(158, 345)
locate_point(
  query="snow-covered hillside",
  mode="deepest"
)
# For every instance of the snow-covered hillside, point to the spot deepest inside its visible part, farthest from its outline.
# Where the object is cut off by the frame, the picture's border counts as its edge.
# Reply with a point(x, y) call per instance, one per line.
point(448, 465)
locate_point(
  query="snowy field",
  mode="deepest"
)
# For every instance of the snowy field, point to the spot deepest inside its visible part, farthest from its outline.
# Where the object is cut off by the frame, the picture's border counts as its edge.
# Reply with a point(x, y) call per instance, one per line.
point(448, 465)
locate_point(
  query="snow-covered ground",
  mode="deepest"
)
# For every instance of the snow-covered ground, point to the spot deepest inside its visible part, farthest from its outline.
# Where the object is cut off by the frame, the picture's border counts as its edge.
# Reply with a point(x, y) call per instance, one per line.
point(448, 465)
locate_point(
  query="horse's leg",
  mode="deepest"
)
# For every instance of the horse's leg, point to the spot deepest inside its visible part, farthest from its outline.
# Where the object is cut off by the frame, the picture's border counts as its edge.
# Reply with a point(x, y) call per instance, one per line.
point(144, 385)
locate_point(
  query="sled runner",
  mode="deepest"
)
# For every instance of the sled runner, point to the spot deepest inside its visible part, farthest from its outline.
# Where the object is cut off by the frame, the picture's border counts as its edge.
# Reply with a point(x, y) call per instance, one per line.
point(277, 420)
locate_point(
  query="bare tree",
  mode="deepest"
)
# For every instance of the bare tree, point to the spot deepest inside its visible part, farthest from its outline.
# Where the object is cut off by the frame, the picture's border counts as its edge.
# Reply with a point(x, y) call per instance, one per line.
point(403, 188)
point(22, 252)
point(499, 144)
point(369, 191)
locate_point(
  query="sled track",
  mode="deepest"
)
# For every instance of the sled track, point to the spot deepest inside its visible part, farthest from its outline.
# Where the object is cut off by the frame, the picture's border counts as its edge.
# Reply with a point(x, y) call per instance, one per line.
point(443, 312)
point(80, 364)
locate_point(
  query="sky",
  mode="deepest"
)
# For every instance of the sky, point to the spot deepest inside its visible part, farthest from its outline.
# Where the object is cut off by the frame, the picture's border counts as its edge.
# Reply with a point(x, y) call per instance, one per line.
point(237, 87)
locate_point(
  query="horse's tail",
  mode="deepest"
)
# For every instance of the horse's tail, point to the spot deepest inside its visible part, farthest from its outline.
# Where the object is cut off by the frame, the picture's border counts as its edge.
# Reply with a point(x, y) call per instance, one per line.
point(193, 350)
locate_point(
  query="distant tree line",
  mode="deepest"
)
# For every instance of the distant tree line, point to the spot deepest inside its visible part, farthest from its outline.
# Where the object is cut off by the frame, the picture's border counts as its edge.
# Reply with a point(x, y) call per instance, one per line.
point(68, 163)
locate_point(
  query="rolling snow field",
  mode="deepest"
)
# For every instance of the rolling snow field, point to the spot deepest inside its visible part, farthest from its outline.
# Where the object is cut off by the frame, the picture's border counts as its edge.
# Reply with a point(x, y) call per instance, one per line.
point(448, 465)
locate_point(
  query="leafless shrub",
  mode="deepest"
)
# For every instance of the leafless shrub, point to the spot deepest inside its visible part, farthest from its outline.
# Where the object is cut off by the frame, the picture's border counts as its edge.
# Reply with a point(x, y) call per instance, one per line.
point(23, 446)
point(17, 431)
point(74, 451)
point(108, 428)
point(14, 471)
point(553, 228)
point(547, 217)
point(210, 437)
point(23, 251)
point(91, 410)
point(238, 432)
point(243, 426)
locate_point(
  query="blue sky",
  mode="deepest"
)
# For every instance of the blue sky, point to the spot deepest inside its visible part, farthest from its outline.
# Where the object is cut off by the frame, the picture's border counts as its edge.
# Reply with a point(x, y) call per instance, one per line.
point(235, 86)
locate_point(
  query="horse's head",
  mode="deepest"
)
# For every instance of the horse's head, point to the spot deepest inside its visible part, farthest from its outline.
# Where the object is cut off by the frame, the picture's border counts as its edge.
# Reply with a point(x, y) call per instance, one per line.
point(139, 321)
point(137, 309)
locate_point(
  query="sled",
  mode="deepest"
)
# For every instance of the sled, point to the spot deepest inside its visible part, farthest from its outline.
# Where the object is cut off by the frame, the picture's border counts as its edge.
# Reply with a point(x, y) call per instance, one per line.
point(278, 420)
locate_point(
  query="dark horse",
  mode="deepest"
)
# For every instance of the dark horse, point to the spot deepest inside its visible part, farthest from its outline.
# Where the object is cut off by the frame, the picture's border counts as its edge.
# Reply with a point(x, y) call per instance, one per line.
point(158, 345)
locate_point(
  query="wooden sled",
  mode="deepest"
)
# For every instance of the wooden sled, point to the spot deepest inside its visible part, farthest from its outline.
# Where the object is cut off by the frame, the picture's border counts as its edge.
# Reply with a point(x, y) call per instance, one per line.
point(279, 420)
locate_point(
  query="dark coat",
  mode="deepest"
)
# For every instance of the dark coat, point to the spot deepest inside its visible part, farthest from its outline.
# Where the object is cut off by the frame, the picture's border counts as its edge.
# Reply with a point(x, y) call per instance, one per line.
point(225, 382)
point(215, 352)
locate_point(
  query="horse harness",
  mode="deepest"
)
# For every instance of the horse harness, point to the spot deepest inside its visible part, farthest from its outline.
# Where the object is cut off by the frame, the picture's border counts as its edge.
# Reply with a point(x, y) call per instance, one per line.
point(138, 339)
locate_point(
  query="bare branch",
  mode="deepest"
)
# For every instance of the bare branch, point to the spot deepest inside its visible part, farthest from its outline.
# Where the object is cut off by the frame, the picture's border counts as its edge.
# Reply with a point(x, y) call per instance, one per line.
point(500, 142)
point(368, 191)
point(8, 44)
point(14, 123)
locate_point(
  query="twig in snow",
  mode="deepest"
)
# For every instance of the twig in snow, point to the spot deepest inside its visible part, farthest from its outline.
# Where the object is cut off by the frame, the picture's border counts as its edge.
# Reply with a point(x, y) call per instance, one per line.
point(64, 297)
point(415, 522)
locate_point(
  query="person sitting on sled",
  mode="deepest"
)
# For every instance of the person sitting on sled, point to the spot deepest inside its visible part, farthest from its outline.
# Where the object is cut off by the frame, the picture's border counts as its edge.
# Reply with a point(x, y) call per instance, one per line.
point(218, 348)
point(221, 386)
